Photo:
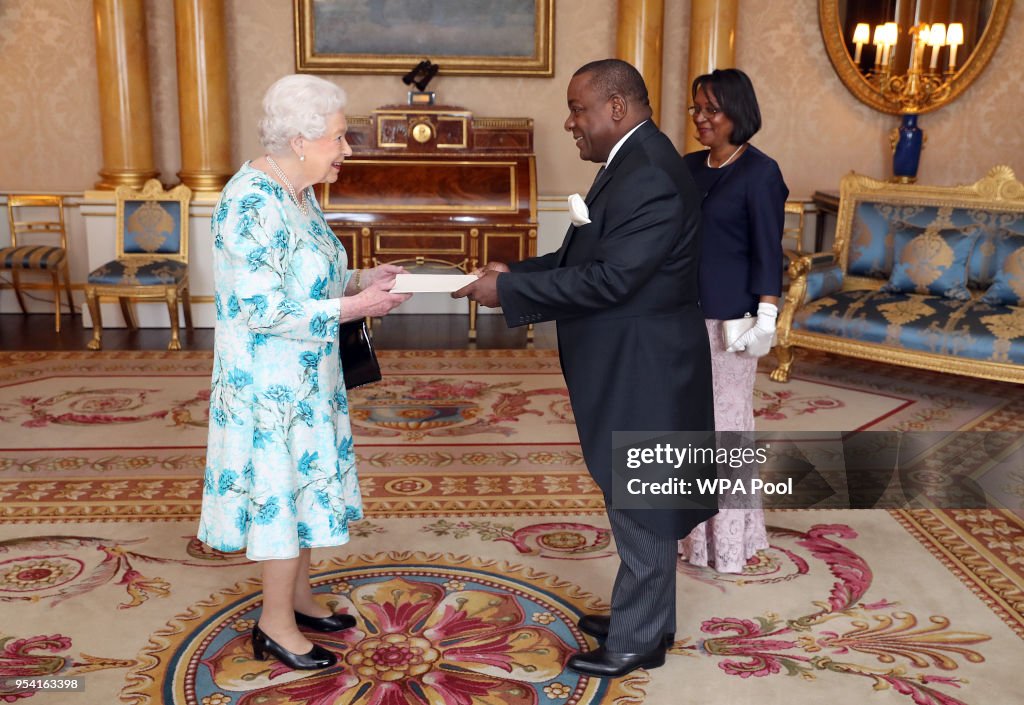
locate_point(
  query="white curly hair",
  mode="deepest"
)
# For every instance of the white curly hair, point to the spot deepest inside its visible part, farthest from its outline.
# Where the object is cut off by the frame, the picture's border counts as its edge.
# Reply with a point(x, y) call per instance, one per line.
point(297, 105)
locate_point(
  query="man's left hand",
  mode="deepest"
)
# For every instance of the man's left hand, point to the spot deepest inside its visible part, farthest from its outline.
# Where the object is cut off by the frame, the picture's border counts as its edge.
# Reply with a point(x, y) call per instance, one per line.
point(484, 290)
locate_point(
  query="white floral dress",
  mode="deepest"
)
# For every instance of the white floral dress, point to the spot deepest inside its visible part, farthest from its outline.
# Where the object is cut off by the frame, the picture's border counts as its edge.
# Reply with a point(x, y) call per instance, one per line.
point(280, 467)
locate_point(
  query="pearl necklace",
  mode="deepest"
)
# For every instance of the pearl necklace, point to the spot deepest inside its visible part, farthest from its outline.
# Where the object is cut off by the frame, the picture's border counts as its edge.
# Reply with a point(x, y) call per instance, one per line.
point(708, 160)
point(302, 205)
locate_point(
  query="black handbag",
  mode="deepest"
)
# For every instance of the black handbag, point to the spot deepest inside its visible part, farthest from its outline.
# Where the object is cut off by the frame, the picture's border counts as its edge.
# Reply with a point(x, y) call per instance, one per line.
point(358, 360)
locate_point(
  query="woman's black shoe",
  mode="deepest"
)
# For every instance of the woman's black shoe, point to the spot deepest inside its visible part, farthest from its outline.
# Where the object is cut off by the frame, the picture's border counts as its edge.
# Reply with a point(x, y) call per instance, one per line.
point(317, 658)
point(333, 623)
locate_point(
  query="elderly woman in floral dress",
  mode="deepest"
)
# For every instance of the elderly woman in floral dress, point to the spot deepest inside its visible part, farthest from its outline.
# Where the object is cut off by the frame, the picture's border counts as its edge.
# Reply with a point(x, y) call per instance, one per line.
point(280, 469)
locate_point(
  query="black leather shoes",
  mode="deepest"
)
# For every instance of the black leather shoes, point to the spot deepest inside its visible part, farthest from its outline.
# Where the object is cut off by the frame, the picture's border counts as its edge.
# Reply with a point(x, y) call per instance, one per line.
point(596, 625)
point(317, 658)
point(602, 663)
point(332, 623)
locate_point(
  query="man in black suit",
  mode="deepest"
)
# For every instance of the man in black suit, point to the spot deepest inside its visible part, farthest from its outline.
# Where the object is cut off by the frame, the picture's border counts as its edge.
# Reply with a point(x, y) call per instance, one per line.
point(631, 337)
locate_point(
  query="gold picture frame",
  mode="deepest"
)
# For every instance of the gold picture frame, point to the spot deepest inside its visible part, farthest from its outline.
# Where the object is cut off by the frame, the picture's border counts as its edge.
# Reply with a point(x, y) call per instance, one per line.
point(465, 38)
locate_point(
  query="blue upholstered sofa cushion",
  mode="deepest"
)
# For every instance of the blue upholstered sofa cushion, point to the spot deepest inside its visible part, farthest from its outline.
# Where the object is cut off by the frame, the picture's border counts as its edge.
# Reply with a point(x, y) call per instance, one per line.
point(875, 225)
point(822, 281)
point(139, 272)
point(931, 261)
point(1008, 285)
point(968, 329)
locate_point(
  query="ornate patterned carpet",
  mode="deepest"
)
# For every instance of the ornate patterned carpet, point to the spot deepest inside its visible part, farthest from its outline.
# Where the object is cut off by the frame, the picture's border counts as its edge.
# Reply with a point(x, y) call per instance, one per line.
point(484, 541)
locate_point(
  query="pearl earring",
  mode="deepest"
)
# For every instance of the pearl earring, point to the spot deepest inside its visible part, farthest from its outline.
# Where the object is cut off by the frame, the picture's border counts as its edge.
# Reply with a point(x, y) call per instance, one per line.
point(302, 157)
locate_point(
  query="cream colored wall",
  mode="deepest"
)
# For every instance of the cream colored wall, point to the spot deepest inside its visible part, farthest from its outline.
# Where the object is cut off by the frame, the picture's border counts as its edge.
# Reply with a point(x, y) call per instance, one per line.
point(49, 100)
point(50, 132)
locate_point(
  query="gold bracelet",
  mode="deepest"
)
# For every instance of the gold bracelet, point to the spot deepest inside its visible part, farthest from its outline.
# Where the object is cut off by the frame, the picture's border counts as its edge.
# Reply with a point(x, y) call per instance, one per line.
point(356, 277)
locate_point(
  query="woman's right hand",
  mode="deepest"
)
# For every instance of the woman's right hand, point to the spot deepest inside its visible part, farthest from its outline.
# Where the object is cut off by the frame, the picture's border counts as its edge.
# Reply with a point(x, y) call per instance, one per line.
point(374, 301)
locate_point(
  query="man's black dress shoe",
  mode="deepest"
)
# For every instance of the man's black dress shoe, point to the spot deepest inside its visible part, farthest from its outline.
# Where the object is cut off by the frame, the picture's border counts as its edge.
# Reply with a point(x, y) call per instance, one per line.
point(612, 664)
point(317, 658)
point(596, 625)
point(332, 623)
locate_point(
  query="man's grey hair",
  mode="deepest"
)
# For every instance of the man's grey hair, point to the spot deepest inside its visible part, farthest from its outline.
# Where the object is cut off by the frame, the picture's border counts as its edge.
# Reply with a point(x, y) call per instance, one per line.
point(297, 105)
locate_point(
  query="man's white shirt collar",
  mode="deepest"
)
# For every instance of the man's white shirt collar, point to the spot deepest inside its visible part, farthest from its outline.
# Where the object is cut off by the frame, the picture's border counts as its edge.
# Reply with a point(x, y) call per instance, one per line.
point(615, 149)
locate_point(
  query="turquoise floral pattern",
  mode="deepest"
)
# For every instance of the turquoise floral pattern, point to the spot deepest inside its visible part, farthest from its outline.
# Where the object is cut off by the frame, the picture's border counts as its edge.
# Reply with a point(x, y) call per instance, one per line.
point(280, 467)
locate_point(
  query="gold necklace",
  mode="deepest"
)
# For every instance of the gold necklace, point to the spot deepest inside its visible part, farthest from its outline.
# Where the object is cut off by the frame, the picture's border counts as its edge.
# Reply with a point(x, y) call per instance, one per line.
point(708, 160)
point(302, 205)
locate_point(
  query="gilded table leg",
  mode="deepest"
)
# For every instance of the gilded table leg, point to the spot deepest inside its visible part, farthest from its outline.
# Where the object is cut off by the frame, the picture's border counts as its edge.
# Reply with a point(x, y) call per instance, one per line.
point(472, 321)
point(97, 323)
point(172, 310)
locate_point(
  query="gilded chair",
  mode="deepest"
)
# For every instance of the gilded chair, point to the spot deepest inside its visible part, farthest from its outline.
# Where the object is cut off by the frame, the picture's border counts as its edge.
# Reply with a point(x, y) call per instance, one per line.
point(39, 245)
point(152, 257)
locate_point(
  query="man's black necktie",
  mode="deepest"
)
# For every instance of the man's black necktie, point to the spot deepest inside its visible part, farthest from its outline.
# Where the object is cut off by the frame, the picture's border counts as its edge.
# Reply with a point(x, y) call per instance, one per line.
point(600, 173)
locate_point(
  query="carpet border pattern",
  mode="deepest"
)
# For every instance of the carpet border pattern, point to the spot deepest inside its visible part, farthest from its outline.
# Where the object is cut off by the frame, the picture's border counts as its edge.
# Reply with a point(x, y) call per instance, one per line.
point(984, 549)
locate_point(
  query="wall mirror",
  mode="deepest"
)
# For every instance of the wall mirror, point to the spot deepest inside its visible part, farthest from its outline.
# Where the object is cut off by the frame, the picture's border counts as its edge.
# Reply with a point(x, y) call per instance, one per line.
point(910, 56)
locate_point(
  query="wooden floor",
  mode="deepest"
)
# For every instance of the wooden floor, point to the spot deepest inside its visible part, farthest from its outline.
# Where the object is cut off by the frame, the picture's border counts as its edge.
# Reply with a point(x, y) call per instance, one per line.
point(397, 332)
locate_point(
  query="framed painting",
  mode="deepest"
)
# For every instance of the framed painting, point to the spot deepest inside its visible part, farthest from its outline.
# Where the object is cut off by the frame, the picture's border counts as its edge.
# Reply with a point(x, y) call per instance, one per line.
point(464, 37)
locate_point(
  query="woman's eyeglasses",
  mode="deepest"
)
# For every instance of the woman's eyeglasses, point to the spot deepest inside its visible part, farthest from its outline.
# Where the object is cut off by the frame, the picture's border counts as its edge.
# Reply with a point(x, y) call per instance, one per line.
point(709, 111)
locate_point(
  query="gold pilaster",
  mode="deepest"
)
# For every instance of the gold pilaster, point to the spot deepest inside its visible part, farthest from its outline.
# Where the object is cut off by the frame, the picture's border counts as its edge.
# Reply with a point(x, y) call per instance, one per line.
point(638, 41)
point(122, 70)
point(202, 94)
point(712, 45)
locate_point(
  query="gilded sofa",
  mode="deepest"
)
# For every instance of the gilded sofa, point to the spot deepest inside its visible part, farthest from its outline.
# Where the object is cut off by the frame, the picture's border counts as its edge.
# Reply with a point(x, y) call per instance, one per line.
point(923, 276)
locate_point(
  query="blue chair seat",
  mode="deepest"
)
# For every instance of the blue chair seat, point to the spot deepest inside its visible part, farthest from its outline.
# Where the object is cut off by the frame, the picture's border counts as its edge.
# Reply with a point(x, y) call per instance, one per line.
point(159, 272)
point(32, 257)
point(932, 324)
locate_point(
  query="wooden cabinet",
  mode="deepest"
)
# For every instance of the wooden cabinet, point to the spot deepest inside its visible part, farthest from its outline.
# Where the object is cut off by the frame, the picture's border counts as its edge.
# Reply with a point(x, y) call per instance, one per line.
point(436, 187)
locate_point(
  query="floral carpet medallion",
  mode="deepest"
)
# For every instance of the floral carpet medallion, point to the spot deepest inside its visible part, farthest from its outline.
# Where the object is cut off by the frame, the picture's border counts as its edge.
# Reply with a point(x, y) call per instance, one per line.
point(431, 628)
point(436, 407)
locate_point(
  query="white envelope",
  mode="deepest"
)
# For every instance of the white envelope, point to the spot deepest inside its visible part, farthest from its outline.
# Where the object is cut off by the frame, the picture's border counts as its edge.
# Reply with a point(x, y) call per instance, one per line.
point(430, 283)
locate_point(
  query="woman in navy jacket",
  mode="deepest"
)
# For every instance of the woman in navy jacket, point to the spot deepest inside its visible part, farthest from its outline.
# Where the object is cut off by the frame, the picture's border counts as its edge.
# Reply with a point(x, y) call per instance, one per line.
point(740, 273)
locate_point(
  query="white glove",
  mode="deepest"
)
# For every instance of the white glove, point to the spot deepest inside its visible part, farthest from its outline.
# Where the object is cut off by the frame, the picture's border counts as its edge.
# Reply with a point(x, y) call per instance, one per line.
point(758, 340)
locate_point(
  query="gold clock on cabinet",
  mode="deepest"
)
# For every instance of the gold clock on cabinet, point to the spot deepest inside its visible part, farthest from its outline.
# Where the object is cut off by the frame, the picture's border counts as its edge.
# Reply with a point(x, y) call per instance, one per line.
point(422, 132)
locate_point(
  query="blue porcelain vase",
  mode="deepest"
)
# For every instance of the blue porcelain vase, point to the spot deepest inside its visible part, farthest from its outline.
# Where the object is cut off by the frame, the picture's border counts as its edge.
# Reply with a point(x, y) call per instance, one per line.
point(907, 153)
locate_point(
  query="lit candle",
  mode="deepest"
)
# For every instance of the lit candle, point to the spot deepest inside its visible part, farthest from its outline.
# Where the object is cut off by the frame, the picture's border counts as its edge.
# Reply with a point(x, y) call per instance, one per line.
point(936, 38)
point(920, 41)
point(954, 38)
point(890, 35)
point(861, 34)
point(878, 40)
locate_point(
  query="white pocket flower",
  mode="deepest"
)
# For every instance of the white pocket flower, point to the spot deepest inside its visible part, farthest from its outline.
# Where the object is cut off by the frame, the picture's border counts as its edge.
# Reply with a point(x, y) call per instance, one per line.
point(578, 212)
